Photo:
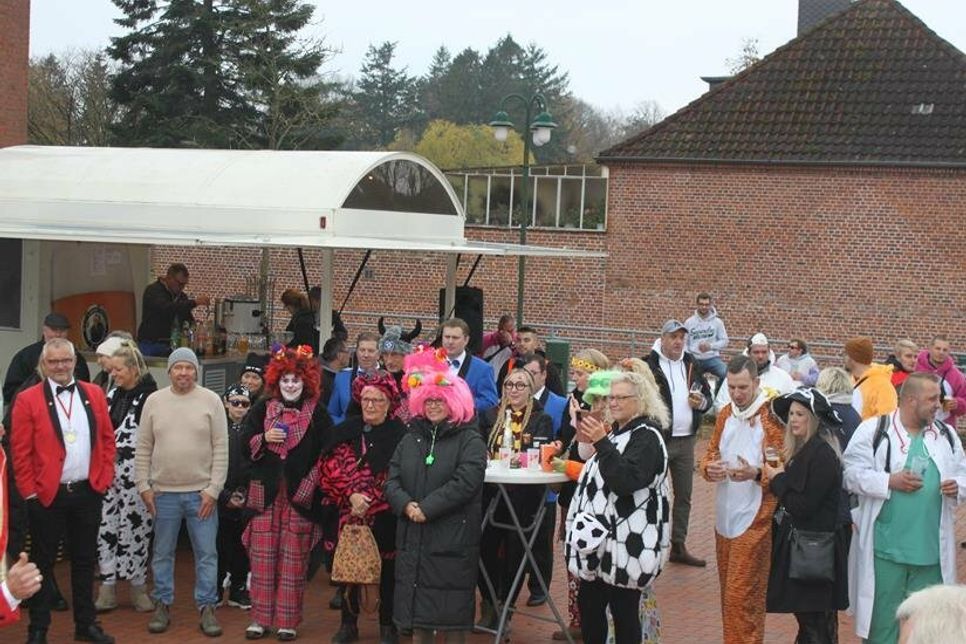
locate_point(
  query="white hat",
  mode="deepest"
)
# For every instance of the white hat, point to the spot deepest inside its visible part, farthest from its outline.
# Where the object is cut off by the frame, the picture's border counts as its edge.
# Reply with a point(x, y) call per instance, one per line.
point(758, 340)
point(109, 346)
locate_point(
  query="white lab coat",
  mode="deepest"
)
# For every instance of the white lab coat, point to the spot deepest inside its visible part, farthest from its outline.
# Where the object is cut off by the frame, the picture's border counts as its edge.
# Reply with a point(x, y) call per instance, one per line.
point(866, 477)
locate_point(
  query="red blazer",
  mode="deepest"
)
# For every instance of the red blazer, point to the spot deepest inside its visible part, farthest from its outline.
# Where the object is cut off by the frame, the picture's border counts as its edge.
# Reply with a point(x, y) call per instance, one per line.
point(37, 441)
point(7, 616)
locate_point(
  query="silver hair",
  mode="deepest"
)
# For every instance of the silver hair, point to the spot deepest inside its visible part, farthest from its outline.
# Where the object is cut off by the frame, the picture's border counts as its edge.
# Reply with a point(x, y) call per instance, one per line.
point(834, 380)
point(53, 343)
point(938, 614)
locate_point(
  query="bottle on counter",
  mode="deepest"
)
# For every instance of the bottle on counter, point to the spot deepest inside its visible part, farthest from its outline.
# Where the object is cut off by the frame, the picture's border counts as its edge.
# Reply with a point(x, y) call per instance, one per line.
point(175, 334)
point(187, 335)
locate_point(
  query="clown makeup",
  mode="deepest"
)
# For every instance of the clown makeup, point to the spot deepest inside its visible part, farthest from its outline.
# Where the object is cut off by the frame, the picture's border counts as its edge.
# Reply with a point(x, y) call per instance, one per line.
point(291, 387)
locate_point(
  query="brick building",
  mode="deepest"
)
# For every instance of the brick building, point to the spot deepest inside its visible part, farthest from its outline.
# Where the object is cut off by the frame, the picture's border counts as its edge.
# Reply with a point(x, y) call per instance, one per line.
point(14, 38)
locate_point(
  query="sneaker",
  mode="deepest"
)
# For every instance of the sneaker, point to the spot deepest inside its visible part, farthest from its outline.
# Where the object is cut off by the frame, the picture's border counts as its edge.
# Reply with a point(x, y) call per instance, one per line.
point(209, 623)
point(240, 599)
point(285, 634)
point(106, 598)
point(139, 597)
point(255, 631)
point(161, 619)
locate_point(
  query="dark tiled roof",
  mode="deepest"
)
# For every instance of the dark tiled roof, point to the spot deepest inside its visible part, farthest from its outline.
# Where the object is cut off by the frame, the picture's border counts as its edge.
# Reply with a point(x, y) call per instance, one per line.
point(872, 84)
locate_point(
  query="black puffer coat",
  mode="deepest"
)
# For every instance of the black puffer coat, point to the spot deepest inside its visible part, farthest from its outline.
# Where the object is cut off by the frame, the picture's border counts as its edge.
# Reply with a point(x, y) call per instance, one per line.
point(437, 561)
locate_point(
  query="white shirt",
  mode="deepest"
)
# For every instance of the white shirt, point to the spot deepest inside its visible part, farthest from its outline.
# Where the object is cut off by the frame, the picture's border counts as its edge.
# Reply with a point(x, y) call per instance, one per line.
point(677, 382)
point(537, 395)
point(12, 601)
point(458, 360)
point(77, 461)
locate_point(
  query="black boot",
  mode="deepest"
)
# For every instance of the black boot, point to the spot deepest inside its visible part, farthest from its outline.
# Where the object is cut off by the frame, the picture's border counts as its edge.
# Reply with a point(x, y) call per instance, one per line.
point(346, 633)
point(388, 634)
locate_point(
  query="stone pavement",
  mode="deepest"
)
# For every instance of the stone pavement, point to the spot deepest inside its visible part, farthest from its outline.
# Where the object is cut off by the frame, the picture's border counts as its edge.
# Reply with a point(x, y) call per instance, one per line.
point(687, 597)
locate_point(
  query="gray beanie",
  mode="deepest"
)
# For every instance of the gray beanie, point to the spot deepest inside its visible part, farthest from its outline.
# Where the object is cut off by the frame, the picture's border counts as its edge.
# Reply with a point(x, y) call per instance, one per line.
point(182, 354)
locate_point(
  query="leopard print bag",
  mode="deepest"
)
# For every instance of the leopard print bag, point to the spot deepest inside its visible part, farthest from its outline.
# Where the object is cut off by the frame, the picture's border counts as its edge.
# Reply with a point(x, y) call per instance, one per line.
point(356, 559)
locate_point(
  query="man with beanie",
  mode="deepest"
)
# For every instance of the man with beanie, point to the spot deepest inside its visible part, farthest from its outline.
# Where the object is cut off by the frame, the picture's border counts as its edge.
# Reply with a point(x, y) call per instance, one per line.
point(687, 395)
point(773, 379)
point(873, 393)
point(180, 465)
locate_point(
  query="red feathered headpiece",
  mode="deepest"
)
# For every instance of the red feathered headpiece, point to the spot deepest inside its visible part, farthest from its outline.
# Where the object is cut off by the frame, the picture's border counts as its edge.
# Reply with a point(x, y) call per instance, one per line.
point(381, 380)
point(299, 361)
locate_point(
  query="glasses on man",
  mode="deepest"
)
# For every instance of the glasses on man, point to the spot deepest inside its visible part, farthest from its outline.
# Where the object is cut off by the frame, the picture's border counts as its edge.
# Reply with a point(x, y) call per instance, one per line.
point(434, 402)
point(373, 402)
point(519, 386)
point(244, 404)
point(58, 363)
point(613, 398)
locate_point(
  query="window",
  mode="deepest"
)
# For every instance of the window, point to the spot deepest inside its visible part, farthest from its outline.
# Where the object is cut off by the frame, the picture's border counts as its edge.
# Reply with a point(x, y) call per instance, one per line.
point(401, 186)
point(11, 272)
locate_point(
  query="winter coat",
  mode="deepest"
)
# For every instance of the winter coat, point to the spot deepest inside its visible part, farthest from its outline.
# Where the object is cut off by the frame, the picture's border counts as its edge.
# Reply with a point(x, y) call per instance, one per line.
point(808, 489)
point(874, 393)
point(302, 326)
point(437, 561)
point(695, 374)
point(899, 374)
point(865, 476)
point(952, 385)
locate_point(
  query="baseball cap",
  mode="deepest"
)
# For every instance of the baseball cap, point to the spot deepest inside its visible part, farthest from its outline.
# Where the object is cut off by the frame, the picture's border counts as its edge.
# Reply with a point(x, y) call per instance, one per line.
point(672, 326)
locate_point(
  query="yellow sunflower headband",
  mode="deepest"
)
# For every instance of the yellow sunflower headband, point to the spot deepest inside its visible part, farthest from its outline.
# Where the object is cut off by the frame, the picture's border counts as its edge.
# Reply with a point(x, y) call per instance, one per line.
point(583, 365)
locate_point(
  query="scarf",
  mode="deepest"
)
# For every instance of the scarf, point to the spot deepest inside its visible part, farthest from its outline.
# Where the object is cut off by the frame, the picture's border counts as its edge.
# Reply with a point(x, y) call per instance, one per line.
point(297, 417)
point(764, 395)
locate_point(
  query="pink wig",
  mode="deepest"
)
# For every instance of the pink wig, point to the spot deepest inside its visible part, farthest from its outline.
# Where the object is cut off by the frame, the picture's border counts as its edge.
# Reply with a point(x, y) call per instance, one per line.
point(429, 375)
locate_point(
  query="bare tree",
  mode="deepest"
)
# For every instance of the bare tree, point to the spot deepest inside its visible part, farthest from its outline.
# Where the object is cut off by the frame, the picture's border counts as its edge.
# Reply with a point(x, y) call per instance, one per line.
point(749, 56)
point(68, 99)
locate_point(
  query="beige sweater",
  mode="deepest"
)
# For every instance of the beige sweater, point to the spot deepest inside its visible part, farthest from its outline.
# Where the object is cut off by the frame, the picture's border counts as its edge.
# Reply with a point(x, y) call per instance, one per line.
point(182, 443)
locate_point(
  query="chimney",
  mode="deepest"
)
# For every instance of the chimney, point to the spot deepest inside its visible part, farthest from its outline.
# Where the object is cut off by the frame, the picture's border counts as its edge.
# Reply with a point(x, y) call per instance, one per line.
point(812, 12)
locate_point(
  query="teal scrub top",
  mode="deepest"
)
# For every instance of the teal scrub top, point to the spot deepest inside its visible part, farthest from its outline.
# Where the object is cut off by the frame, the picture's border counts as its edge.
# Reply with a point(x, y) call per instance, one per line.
point(907, 528)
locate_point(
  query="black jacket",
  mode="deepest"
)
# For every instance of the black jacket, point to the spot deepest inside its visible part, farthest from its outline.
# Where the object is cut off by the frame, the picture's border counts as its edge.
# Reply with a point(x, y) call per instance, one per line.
point(24, 363)
point(269, 469)
point(238, 464)
point(159, 308)
point(695, 374)
point(437, 561)
point(809, 492)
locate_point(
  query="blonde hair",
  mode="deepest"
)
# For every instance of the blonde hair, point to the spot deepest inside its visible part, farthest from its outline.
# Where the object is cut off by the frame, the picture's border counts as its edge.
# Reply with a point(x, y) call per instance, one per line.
point(905, 343)
point(500, 423)
point(132, 357)
point(593, 356)
point(834, 380)
point(638, 366)
point(649, 401)
point(793, 444)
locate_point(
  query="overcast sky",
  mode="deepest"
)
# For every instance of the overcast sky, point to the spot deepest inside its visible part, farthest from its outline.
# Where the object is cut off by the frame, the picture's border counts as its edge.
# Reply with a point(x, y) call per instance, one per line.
point(617, 52)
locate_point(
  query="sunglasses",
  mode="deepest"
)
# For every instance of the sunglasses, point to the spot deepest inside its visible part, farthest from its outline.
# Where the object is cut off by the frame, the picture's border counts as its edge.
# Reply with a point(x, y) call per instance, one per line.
point(244, 404)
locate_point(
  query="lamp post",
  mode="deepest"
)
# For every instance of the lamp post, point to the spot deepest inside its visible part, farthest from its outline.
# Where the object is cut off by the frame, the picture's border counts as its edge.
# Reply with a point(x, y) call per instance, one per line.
point(540, 127)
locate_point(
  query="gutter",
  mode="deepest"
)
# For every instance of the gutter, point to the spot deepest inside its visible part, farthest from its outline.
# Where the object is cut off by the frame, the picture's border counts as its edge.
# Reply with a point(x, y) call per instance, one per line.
point(937, 165)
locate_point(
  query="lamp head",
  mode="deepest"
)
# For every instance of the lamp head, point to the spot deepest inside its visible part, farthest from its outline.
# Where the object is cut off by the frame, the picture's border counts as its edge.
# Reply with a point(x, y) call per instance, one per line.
point(501, 125)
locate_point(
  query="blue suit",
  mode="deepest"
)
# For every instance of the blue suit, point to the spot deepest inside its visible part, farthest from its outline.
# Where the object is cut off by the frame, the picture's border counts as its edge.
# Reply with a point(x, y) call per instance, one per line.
point(554, 406)
point(479, 376)
point(341, 395)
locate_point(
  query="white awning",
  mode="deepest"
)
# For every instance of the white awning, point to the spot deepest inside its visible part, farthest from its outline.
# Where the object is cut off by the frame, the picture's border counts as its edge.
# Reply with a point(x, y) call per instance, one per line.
point(237, 198)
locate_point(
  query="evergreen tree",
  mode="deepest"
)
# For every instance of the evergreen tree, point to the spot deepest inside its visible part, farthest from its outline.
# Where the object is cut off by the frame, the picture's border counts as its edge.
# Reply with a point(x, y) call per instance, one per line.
point(217, 73)
point(384, 100)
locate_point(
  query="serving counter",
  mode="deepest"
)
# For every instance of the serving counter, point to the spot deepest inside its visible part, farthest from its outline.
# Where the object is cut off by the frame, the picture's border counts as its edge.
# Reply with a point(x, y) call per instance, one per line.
point(216, 373)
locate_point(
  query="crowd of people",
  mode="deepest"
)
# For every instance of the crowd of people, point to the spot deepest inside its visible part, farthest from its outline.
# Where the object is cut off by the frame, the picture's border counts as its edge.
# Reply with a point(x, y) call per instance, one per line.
point(834, 488)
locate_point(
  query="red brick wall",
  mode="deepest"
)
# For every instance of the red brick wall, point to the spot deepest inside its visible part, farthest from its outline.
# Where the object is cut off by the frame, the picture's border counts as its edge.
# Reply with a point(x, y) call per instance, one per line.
point(14, 52)
point(819, 253)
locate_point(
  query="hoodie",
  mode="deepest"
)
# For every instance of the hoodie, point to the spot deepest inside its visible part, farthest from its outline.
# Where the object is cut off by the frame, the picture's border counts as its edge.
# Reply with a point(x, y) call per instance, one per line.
point(709, 329)
point(804, 366)
point(952, 385)
point(874, 394)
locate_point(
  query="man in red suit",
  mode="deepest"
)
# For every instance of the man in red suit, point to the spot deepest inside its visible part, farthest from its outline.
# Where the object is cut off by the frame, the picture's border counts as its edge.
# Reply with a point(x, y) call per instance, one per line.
point(63, 462)
point(23, 579)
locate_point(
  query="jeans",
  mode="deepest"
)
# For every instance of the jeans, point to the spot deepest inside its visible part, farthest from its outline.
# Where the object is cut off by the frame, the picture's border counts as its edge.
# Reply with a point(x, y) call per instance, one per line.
point(716, 366)
point(172, 507)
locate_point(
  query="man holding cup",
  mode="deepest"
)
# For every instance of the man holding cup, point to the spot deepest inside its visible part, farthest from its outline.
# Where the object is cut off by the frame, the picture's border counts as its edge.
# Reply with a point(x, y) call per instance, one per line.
point(908, 472)
point(680, 379)
point(745, 428)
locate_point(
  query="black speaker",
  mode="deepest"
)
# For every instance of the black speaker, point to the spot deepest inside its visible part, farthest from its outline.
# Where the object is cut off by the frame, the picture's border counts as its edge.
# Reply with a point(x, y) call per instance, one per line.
point(469, 308)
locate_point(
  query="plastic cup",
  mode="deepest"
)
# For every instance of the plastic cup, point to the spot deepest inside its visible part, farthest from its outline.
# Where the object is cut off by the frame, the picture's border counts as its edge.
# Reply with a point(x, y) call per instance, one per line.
point(505, 453)
point(547, 452)
point(918, 465)
point(772, 456)
point(533, 459)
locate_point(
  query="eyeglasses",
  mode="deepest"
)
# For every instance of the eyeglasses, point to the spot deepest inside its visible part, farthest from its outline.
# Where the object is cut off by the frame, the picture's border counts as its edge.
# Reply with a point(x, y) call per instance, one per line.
point(435, 402)
point(619, 398)
point(55, 363)
point(244, 404)
point(372, 401)
point(519, 386)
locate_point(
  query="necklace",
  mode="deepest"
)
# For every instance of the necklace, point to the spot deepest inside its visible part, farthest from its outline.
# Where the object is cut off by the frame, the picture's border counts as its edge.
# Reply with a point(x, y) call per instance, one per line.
point(70, 435)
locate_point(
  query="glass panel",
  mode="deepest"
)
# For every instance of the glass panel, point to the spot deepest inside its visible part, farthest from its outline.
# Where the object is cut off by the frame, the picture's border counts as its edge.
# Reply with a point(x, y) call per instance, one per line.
point(517, 183)
point(457, 181)
point(595, 204)
point(401, 186)
point(570, 203)
point(476, 200)
point(499, 201)
point(546, 202)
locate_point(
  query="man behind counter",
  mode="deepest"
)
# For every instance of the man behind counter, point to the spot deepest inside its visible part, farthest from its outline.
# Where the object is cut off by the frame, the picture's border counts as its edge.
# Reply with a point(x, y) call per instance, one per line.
point(163, 303)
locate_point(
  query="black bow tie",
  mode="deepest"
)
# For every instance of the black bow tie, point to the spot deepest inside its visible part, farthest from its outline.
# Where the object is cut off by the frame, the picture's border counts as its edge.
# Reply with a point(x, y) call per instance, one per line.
point(69, 388)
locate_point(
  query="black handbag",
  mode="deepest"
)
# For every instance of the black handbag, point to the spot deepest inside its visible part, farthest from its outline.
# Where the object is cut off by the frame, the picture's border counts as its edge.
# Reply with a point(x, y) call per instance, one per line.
point(812, 556)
